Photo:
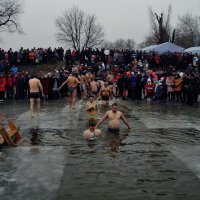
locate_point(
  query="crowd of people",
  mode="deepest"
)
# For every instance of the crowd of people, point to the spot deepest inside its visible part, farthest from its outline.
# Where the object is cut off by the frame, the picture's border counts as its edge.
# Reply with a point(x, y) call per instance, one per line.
point(30, 56)
point(106, 74)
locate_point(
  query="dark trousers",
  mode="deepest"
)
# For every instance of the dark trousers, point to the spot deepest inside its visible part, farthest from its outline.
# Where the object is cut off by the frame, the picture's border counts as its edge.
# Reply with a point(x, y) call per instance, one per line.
point(2, 94)
point(9, 92)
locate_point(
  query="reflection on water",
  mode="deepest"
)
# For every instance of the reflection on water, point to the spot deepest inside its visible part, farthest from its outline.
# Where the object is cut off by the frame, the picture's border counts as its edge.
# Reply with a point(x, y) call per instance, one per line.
point(35, 136)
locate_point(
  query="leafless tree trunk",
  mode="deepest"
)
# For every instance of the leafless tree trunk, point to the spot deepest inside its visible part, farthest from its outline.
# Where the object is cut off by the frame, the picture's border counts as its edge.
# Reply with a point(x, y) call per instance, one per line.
point(188, 31)
point(160, 27)
point(9, 15)
point(78, 29)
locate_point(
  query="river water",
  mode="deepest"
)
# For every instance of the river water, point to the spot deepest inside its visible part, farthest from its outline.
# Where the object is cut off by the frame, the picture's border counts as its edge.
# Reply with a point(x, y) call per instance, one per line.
point(159, 158)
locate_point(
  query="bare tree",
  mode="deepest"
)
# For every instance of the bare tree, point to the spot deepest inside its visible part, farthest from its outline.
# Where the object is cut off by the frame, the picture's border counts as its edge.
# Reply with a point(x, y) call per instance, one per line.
point(188, 31)
point(130, 44)
point(107, 45)
point(119, 44)
point(9, 15)
point(161, 30)
point(78, 29)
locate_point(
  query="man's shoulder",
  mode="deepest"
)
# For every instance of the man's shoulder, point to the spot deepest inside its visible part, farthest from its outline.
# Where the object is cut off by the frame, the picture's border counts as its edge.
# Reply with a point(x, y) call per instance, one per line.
point(98, 131)
point(71, 78)
point(109, 112)
point(119, 112)
point(34, 79)
point(86, 132)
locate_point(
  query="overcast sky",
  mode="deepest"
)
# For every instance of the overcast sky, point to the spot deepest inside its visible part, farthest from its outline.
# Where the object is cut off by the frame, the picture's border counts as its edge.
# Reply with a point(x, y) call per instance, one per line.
point(120, 19)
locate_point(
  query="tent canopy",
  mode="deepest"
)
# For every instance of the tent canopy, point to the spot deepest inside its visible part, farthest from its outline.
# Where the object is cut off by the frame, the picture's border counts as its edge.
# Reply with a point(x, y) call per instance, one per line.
point(165, 47)
point(193, 50)
point(149, 48)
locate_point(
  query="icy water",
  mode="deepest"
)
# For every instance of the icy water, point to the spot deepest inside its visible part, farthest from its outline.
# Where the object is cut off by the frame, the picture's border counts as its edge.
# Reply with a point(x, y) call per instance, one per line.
point(159, 158)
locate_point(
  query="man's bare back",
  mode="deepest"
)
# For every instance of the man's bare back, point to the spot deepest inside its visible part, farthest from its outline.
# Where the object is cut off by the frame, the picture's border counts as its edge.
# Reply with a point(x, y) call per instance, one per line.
point(35, 89)
point(35, 85)
point(72, 81)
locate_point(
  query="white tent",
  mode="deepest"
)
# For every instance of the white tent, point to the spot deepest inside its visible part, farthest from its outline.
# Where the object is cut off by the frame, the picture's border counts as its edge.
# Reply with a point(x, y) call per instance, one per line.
point(193, 50)
point(149, 48)
point(167, 47)
point(164, 47)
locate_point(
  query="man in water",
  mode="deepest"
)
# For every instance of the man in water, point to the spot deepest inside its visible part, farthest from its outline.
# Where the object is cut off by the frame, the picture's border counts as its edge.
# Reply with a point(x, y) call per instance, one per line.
point(35, 89)
point(72, 83)
point(105, 93)
point(114, 116)
point(94, 87)
point(91, 133)
point(82, 86)
point(88, 79)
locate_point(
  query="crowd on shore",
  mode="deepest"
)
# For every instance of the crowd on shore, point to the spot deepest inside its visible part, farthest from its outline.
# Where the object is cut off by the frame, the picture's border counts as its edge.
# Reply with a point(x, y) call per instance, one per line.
point(30, 56)
point(134, 75)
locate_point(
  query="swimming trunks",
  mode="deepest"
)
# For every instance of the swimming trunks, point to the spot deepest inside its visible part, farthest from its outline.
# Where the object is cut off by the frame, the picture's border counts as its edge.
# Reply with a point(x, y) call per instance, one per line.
point(82, 86)
point(105, 98)
point(34, 95)
point(72, 89)
point(95, 92)
point(113, 130)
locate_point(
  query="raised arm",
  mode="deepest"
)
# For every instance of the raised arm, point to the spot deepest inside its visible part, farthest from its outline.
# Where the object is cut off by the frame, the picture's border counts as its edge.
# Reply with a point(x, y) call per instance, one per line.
point(102, 120)
point(65, 82)
point(77, 81)
point(125, 121)
point(99, 112)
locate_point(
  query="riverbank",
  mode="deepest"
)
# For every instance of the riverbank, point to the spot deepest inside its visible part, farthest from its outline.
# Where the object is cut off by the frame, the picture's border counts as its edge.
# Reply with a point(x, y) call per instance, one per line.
point(45, 68)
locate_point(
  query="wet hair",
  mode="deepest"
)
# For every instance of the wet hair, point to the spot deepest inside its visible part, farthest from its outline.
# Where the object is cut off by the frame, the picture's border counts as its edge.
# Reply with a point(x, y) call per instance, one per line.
point(92, 123)
point(33, 75)
point(114, 104)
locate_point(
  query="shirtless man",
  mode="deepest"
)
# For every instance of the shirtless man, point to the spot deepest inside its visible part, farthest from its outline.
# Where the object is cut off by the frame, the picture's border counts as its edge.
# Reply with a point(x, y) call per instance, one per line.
point(81, 79)
point(110, 78)
point(94, 87)
point(92, 133)
point(35, 89)
point(105, 93)
point(72, 82)
point(88, 79)
point(114, 116)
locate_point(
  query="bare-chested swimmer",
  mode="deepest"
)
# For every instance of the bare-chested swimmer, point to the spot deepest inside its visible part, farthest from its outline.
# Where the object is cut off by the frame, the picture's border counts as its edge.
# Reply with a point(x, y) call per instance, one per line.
point(35, 89)
point(72, 83)
point(91, 133)
point(114, 116)
point(105, 93)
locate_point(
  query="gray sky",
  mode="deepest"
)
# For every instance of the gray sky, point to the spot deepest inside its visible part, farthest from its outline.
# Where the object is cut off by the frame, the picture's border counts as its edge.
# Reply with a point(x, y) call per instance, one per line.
point(120, 19)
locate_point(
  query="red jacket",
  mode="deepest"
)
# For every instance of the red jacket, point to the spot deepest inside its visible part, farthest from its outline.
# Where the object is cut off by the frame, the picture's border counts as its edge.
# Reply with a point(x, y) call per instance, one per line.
point(157, 59)
point(149, 88)
point(10, 81)
point(2, 84)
